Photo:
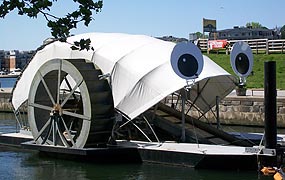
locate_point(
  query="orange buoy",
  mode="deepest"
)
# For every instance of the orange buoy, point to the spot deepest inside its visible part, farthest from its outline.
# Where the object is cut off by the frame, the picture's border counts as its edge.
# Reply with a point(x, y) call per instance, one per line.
point(268, 171)
point(277, 176)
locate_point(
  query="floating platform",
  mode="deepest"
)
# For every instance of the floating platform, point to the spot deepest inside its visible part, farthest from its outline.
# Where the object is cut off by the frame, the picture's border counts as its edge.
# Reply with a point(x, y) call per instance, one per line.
point(109, 154)
point(14, 139)
point(183, 154)
point(201, 156)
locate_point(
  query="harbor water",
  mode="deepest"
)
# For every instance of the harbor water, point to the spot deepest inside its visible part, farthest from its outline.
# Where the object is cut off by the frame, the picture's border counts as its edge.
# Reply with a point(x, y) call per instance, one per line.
point(17, 163)
point(7, 82)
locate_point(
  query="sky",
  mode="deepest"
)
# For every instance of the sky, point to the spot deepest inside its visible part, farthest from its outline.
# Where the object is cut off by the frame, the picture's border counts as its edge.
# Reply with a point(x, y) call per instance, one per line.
point(149, 17)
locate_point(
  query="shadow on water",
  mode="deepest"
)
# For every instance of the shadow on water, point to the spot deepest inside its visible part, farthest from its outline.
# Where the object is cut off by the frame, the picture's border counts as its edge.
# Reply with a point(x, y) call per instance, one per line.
point(28, 165)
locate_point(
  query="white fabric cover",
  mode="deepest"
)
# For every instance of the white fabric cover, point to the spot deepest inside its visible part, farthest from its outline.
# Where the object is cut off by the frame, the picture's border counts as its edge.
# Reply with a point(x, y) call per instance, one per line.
point(141, 73)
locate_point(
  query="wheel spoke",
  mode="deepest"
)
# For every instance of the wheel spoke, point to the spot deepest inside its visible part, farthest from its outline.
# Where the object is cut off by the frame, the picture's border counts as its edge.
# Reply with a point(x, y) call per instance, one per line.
point(40, 106)
point(46, 88)
point(80, 116)
point(61, 136)
point(69, 86)
point(58, 81)
point(54, 133)
point(42, 130)
point(48, 135)
point(68, 133)
point(72, 91)
point(48, 142)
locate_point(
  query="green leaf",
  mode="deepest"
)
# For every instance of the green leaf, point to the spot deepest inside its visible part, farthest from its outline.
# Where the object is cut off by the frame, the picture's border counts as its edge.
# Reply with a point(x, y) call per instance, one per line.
point(74, 48)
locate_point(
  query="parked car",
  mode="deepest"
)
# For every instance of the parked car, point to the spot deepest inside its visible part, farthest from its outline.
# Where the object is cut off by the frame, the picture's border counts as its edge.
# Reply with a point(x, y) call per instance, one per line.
point(2, 73)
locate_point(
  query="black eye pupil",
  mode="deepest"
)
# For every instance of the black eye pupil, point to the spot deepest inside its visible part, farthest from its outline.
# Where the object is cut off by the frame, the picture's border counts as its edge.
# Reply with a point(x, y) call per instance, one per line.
point(242, 63)
point(187, 65)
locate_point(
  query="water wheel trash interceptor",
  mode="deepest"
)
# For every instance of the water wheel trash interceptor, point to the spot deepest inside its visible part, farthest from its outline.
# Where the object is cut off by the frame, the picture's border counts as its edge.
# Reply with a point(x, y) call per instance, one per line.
point(69, 106)
point(73, 112)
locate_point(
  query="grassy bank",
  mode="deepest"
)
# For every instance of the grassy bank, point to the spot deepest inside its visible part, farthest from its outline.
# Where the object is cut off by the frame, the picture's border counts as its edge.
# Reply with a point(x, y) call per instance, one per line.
point(256, 80)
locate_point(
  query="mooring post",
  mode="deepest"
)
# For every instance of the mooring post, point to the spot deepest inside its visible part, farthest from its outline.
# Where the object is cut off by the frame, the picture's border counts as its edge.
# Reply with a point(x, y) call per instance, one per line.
point(270, 104)
point(270, 116)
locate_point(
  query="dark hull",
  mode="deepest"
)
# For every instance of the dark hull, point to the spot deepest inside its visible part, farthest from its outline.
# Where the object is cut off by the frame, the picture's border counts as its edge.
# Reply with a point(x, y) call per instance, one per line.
point(200, 161)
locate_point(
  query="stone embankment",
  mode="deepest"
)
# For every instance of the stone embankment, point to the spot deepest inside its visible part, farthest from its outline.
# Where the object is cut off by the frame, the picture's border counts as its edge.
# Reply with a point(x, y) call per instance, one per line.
point(5, 96)
point(247, 110)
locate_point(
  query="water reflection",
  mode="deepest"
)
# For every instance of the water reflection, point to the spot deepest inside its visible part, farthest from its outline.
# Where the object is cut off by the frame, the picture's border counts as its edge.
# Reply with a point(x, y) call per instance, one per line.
point(7, 122)
point(29, 165)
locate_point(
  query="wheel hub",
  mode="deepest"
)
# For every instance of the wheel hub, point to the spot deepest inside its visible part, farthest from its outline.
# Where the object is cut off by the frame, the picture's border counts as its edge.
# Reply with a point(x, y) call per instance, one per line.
point(56, 110)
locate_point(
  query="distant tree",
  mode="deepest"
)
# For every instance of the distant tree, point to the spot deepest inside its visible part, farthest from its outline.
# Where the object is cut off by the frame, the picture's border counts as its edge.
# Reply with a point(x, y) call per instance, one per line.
point(282, 30)
point(255, 25)
point(199, 34)
point(60, 26)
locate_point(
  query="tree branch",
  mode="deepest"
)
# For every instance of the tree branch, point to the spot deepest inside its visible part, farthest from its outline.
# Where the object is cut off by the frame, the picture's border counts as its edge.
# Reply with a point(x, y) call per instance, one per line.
point(60, 26)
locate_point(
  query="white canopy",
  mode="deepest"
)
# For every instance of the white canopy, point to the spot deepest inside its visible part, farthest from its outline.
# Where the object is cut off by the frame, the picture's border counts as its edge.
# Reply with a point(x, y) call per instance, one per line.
point(141, 73)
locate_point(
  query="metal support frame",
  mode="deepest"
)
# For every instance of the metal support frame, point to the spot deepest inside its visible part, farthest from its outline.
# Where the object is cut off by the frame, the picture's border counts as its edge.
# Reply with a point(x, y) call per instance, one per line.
point(191, 104)
point(131, 121)
point(183, 97)
point(22, 122)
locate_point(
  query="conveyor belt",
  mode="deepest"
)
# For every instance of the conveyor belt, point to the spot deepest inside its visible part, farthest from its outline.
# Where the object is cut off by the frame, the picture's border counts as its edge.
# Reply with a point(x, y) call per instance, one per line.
point(169, 120)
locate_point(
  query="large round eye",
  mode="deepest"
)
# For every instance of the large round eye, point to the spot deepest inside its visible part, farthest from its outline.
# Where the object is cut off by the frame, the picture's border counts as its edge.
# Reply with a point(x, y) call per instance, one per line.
point(241, 59)
point(187, 60)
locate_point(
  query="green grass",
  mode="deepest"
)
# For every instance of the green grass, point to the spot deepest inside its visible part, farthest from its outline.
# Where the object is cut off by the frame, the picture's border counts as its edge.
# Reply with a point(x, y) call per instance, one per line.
point(256, 80)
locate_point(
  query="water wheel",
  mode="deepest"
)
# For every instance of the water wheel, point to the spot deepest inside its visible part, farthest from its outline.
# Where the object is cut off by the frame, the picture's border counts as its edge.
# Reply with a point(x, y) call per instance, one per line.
point(69, 106)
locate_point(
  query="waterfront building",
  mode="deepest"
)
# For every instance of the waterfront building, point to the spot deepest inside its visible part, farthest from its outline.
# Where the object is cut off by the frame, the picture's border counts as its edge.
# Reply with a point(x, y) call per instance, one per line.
point(14, 59)
point(9, 61)
point(23, 57)
point(237, 33)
